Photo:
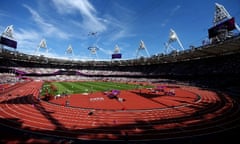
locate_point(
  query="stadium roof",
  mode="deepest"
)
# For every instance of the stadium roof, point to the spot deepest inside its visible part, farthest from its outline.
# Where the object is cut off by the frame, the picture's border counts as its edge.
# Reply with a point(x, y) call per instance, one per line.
point(229, 46)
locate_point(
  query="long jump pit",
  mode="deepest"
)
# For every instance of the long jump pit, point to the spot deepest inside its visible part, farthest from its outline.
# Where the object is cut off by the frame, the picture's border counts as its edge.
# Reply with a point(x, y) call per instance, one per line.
point(139, 115)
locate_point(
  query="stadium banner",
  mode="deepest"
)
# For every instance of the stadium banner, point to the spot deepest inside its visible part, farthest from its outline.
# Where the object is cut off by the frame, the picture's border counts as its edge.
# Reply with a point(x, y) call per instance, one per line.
point(8, 42)
point(114, 56)
point(227, 25)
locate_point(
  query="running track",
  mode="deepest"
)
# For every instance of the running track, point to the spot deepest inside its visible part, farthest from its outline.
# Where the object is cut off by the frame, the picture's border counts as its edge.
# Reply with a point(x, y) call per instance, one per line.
point(192, 112)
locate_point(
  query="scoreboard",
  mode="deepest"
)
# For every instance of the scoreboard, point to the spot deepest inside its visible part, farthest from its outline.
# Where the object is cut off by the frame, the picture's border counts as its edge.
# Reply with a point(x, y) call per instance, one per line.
point(116, 56)
point(8, 42)
point(226, 25)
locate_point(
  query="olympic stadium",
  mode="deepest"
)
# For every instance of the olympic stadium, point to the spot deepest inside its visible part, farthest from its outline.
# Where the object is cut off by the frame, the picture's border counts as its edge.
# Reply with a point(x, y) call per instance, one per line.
point(188, 96)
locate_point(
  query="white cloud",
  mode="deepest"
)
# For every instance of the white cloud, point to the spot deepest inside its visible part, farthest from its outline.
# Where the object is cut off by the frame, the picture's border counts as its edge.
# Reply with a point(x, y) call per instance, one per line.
point(48, 29)
point(3, 14)
point(113, 27)
point(117, 28)
point(107, 52)
point(174, 10)
point(70, 6)
point(27, 40)
point(165, 21)
point(89, 14)
point(25, 35)
point(171, 13)
point(121, 34)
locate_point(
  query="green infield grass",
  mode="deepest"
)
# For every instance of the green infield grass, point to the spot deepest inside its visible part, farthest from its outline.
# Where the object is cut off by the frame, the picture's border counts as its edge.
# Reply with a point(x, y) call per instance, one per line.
point(54, 88)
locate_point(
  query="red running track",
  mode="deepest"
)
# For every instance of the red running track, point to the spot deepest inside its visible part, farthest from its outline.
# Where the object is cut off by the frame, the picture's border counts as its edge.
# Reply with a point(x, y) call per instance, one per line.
point(143, 116)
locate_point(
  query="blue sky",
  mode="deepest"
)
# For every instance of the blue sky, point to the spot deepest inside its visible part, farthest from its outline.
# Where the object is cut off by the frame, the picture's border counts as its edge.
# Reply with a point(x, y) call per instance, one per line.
point(116, 22)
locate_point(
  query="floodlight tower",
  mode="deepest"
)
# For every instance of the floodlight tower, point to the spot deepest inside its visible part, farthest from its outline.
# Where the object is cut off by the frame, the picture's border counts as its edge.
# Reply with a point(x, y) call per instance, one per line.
point(222, 14)
point(93, 50)
point(116, 54)
point(43, 45)
point(116, 49)
point(8, 32)
point(7, 38)
point(142, 47)
point(222, 30)
point(173, 38)
point(69, 50)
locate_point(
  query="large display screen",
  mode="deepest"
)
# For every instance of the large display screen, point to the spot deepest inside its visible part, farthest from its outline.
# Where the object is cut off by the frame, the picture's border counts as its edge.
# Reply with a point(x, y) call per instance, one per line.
point(8, 42)
point(116, 56)
point(227, 25)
